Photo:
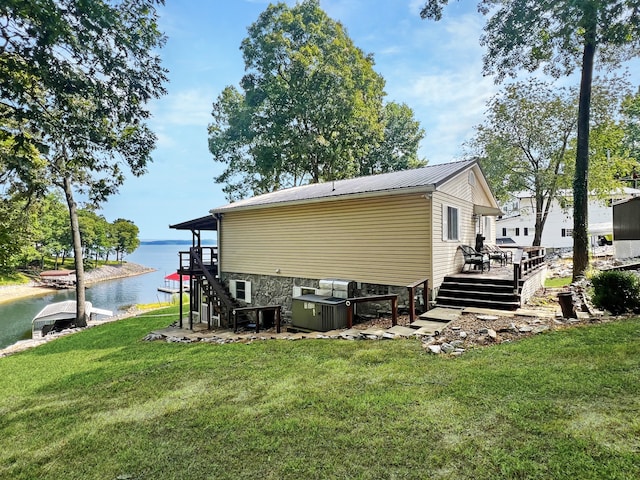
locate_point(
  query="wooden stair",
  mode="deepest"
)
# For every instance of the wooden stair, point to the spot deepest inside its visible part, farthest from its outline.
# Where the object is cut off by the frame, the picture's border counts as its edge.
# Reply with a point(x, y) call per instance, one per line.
point(472, 291)
point(215, 292)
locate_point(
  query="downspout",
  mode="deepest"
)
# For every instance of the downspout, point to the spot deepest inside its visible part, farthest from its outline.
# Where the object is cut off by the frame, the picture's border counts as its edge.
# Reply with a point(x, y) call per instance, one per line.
point(218, 217)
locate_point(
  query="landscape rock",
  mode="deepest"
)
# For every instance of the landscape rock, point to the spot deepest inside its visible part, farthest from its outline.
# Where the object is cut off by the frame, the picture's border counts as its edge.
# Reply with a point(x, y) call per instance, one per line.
point(434, 348)
point(447, 348)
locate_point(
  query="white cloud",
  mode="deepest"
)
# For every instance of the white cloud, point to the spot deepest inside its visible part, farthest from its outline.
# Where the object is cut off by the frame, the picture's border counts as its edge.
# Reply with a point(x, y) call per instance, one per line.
point(448, 105)
point(185, 108)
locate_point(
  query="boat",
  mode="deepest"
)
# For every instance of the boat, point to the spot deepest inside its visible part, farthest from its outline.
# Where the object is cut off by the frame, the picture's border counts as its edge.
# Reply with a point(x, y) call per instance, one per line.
point(174, 282)
point(60, 315)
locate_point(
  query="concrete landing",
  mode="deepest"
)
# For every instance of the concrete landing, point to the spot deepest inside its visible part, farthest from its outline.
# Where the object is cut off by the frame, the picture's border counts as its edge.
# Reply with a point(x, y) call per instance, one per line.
point(428, 327)
point(442, 314)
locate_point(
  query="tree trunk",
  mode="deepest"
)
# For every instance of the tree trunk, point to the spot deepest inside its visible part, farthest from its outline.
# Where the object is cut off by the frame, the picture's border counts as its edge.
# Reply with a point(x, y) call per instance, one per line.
point(580, 183)
point(539, 225)
point(81, 314)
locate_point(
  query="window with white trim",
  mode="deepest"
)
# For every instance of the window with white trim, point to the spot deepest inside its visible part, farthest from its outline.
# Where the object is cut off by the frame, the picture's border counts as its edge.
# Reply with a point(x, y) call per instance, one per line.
point(240, 290)
point(450, 223)
point(298, 291)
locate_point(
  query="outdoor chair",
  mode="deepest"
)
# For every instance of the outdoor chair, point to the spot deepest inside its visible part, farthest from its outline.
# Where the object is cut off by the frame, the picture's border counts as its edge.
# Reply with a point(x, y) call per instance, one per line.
point(475, 258)
point(496, 253)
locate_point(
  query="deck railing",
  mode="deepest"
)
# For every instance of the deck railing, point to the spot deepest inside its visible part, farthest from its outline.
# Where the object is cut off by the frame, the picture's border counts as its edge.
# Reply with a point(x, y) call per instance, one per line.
point(526, 261)
point(208, 255)
point(424, 283)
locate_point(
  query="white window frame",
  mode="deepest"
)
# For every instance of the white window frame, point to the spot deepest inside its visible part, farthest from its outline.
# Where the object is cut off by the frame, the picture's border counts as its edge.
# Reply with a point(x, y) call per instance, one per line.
point(233, 288)
point(301, 290)
point(445, 223)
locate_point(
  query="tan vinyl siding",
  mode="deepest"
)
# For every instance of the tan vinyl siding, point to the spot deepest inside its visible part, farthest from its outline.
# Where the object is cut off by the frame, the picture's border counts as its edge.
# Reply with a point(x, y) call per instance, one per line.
point(447, 257)
point(384, 240)
point(460, 187)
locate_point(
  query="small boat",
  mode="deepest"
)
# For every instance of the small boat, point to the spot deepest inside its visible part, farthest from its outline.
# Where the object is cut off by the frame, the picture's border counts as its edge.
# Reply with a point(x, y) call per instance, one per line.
point(58, 316)
point(174, 282)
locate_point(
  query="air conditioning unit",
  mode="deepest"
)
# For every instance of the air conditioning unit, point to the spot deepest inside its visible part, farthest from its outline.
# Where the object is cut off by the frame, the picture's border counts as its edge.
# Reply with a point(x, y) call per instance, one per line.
point(318, 313)
point(333, 287)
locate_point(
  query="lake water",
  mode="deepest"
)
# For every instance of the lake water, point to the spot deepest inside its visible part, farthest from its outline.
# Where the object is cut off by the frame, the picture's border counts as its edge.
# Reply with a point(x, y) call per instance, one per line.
point(16, 316)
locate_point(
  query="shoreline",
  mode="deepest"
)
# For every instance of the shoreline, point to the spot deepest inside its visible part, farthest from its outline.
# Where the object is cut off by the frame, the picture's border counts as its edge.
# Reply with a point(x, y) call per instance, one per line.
point(10, 293)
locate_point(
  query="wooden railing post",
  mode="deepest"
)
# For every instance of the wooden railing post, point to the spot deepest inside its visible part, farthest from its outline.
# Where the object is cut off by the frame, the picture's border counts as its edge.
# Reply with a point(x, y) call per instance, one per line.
point(349, 314)
point(425, 294)
point(394, 311)
point(412, 304)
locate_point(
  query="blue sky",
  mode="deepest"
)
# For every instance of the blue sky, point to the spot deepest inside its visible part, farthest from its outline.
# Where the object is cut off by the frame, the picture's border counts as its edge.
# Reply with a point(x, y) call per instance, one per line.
point(434, 67)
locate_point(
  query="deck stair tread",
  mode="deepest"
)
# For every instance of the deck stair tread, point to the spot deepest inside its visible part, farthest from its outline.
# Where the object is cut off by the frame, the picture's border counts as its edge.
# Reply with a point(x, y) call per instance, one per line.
point(446, 292)
point(477, 288)
point(474, 302)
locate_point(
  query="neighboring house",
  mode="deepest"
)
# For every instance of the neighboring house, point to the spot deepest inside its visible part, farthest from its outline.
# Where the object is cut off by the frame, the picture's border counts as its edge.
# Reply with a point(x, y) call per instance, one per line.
point(381, 232)
point(518, 223)
point(626, 228)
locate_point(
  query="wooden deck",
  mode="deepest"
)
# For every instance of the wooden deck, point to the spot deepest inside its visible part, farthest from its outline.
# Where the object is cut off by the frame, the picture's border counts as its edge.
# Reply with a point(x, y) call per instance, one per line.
point(501, 287)
point(497, 272)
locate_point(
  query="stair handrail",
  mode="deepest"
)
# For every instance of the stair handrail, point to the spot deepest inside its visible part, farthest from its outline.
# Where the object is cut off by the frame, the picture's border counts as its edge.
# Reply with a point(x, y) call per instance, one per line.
point(523, 266)
point(215, 284)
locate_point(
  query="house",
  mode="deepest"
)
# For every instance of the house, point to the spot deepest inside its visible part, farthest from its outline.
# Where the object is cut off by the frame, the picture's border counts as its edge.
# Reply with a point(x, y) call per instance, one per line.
point(518, 223)
point(378, 233)
point(626, 228)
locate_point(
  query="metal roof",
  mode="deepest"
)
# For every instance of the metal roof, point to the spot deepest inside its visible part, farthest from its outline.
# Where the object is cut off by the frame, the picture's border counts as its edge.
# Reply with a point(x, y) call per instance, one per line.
point(426, 178)
point(208, 222)
point(61, 310)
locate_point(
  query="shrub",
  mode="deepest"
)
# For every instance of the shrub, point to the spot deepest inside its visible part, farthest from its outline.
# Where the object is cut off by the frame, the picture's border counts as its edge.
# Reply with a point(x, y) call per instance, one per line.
point(617, 291)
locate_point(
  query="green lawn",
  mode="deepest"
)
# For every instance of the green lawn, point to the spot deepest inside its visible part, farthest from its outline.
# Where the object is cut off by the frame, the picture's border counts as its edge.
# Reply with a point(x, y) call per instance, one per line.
point(557, 282)
point(14, 278)
point(103, 404)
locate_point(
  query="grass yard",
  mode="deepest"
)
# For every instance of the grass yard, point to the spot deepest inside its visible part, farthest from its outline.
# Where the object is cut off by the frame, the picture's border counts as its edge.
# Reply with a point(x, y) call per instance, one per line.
point(557, 282)
point(103, 404)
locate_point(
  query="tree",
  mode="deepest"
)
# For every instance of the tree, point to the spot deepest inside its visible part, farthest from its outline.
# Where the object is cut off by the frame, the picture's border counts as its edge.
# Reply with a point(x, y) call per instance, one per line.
point(75, 78)
point(527, 142)
point(398, 149)
point(560, 36)
point(523, 143)
point(125, 234)
point(309, 107)
point(631, 112)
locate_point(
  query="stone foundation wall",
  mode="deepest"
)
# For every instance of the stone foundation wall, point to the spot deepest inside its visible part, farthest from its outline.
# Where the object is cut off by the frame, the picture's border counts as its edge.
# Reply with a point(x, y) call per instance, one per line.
point(278, 290)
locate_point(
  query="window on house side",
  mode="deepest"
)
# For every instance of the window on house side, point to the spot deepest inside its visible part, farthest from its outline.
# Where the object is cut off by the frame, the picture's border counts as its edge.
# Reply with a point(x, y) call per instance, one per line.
point(526, 232)
point(452, 223)
point(241, 289)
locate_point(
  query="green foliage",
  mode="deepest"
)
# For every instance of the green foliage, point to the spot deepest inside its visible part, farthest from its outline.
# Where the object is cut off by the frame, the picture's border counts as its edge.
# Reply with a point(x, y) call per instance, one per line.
point(561, 406)
point(125, 236)
point(559, 37)
point(398, 149)
point(527, 142)
point(631, 112)
point(75, 81)
point(617, 291)
point(523, 143)
point(309, 109)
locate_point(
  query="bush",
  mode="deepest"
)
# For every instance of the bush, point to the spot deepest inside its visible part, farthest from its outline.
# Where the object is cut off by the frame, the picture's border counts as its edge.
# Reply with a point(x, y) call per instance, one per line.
point(617, 291)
